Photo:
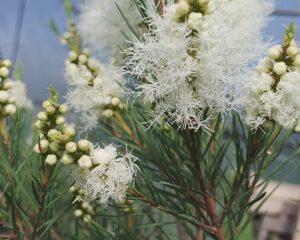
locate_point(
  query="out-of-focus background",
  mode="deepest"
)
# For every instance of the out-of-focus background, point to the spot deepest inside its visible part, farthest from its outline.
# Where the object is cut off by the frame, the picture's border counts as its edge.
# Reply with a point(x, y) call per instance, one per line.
point(26, 37)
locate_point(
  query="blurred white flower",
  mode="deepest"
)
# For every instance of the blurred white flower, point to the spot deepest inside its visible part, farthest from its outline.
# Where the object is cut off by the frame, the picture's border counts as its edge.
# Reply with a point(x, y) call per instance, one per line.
point(19, 92)
point(288, 88)
point(102, 26)
point(111, 176)
point(191, 76)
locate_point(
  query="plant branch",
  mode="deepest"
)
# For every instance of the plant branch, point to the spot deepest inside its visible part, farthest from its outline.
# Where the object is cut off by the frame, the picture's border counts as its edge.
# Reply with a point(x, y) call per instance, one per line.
point(122, 124)
point(152, 203)
point(44, 187)
point(209, 201)
point(160, 6)
point(17, 224)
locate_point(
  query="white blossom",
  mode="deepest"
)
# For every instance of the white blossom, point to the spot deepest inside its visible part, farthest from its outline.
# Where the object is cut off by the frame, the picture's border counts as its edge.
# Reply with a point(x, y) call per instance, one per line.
point(190, 78)
point(90, 101)
point(111, 176)
point(19, 92)
point(288, 90)
point(102, 26)
point(266, 103)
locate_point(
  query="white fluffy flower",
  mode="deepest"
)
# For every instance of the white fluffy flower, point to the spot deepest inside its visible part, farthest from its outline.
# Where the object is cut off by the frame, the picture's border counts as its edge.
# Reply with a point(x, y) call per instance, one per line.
point(19, 92)
point(110, 178)
point(102, 26)
point(186, 75)
point(266, 103)
point(90, 101)
point(288, 90)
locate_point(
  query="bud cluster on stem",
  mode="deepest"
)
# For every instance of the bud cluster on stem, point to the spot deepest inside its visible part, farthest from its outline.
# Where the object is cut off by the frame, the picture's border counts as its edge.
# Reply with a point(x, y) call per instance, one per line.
point(191, 11)
point(7, 101)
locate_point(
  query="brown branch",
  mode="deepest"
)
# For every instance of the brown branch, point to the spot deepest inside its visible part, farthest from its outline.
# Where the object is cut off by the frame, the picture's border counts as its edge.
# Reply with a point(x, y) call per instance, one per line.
point(160, 6)
point(122, 124)
point(209, 200)
point(44, 187)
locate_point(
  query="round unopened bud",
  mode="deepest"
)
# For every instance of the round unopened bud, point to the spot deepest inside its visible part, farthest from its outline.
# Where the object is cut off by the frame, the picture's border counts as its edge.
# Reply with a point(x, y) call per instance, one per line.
point(85, 162)
point(203, 2)
point(182, 8)
point(67, 159)
point(78, 213)
point(195, 21)
point(6, 63)
point(86, 51)
point(81, 191)
point(93, 64)
point(84, 145)
point(166, 127)
point(280, 68)
point(8, 84)
point(97, 81)
point(3, 96)
point(73, 55)
point(293, 43)
point(72, 189)
point(39, 124)
point(274, 52)
point(50, 110)
point(82, 59)
point(60, 120)
point(42, 146)
point(122, 106)
point(71, 147)
point(85, 205)
point(42, 116)
point(51, 159)
point(52, 133)
point(69, 131)
point(108, 113)
point(87, 218)
point(10, 109)
point(54, 147)
point(210, 7)
point(292, 51)
point(297, 128)
point(63, 108)
point(265, 65)
point(115, 101)
point(4, 72)
point(296, 61)
point(46, 104)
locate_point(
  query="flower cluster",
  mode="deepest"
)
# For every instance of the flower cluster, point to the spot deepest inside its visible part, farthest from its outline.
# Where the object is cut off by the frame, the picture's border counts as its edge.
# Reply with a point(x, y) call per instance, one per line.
point(7, 100)
point(101, 173)
point(83, 210)
point(274, 86)
point(54, 133)
point(102, 26)
point(94, 90)
point(189, 66)
point(104, 175)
